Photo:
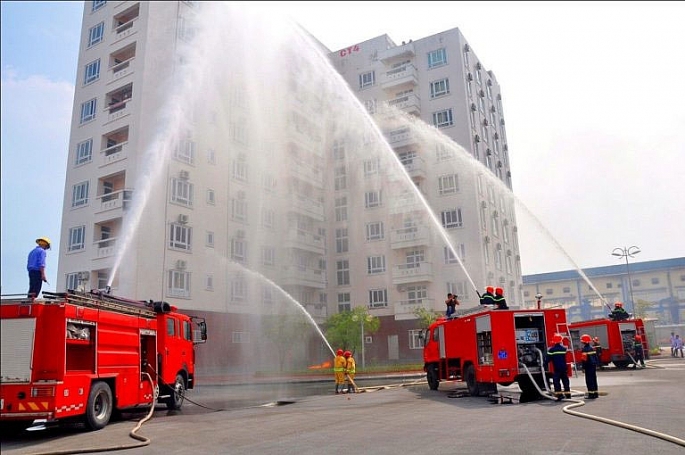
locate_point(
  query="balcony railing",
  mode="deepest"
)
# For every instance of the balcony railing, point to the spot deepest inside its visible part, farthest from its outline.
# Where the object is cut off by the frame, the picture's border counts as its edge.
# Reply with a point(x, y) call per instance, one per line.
point(115, 200)
point(405, 308)
point(412, 273)
point(125, 29)
point(310, 207)
point(297, 238)
point(297, 276)
point(409, 237)
point(401, 137)
point(409, 103)
point(114, 153)
point(122, 69)
point(405, 74)
point(105, 248)
point(416, 167)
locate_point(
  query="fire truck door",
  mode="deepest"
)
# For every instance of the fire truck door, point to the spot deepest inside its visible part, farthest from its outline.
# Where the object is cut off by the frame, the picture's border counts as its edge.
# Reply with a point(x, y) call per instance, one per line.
point(440, 333)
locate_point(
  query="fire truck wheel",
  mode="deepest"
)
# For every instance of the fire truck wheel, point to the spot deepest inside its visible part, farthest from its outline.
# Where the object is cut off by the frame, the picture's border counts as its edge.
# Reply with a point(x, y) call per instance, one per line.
point(432, 377)
point(621, 363)
point(99, 408)
point(470, 378)
point(175, 400)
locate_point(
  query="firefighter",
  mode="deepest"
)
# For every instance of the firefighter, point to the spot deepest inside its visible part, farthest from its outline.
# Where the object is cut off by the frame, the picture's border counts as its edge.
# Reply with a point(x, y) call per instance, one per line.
point(639, 352)
point(598, 349)
point(339, 371)
point(488, 298)
point(499, 299)
point(618, 313)
point(36, 267)
point(350, 370)
point(590, 362)
point(557, 355)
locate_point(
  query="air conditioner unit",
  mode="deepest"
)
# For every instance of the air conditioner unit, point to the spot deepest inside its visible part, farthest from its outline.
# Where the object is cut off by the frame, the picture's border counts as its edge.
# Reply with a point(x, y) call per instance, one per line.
point(185, 175)
point(183, 219)
point(181, 264)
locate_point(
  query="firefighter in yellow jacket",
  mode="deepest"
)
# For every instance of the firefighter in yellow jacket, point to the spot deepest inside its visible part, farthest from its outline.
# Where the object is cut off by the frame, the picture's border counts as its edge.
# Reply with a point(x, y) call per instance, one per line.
point(339, 371)
point(350, 370)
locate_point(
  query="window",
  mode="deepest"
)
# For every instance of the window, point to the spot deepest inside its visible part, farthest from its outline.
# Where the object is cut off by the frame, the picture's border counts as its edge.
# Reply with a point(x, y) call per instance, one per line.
point(340, 178)
point(440, 88)
point(450, 258)
point(239, 209)
point(443, 118)
point(238, 250)
point(92, 72)
point(182, 192)
point(375, 264)
point(211, 156)
point(339, 149)
point(88, 110)
point(84, 152)
point(374, 231)
point(209, 282)
point(655, 280)
point(267, 295)
point(209, 239)
point(452, 218)
point(367, 79)
point(79, 195)
point(179, 284)
point(268, 255)
point(238, 289)
point(240, 337)
point(185, 152)
point(378, 298)
point(77, 280)
point(179, 236)
point(371, 166)
point(372, 199)
point(498, 257)
point(211, 200)
point(437, 58)
point(96, 34)
point(344, 302)
point(414, 258)
point(610, 285)
point(268, 218)
point(341, 240)
point(508, 263)
point(77, 239)
point(415, 340)
point(97, 4)
point(448, 184)
point(488, 89)
point(479, 79)
point(343, 272)
point(240, 170)
point(370, 106)
point(341, 209)
point(566, 290)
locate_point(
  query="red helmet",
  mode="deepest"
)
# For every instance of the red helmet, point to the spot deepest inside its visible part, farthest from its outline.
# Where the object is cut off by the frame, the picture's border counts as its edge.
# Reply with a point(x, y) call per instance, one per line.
point(596, 339)
point(347, 354)
point(557, 338)
point(339, 352)
point(618, 305)
point(499, 291)
point(586, 338)
point(490, 289)
point(638, 338)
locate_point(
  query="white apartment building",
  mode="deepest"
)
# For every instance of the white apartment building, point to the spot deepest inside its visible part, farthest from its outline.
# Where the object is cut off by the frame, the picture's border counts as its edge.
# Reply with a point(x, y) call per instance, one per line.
point(229, 169)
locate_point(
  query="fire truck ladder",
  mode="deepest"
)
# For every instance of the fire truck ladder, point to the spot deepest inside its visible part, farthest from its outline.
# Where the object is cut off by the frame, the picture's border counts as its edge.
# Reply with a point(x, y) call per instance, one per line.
point(106, 302)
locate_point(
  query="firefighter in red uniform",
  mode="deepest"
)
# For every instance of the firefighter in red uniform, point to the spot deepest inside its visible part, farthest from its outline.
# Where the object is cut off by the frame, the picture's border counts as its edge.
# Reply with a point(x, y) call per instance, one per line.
point(590, 362)
point(557, 355)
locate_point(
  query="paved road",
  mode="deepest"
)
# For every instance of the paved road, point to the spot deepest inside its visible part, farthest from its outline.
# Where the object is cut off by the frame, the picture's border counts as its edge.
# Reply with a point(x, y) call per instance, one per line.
point(640, 412)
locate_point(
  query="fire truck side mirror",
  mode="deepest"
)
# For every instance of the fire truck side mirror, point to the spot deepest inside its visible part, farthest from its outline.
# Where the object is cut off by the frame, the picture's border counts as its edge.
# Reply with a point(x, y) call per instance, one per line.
point(203, 330)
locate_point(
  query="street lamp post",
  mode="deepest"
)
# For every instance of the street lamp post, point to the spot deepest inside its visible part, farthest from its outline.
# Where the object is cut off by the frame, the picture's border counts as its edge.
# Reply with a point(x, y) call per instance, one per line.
point(627, 252)
point(361, 323)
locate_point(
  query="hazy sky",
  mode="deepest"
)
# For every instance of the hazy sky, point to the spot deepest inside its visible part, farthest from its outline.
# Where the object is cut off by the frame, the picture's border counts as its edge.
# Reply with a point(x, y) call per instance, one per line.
point(593, 96)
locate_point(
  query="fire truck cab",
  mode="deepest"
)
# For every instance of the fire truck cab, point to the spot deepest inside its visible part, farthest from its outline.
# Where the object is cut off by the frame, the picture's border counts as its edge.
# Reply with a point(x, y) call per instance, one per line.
point(82, 356)
point(484, 347)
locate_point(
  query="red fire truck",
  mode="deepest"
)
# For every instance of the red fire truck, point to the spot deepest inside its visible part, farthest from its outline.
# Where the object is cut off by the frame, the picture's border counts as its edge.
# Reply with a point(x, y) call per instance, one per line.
point(80, 356)
point(616, 338)
point(484, 347)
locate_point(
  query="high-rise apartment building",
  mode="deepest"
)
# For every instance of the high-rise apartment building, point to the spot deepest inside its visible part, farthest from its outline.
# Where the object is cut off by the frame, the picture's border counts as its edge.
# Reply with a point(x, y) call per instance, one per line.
point(231, 168)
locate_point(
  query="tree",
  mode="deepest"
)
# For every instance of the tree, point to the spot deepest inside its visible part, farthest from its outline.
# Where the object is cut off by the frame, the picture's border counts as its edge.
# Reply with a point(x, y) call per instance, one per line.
point(641, 308)
point(344, 330)
point(425, 317)
point(285, 332)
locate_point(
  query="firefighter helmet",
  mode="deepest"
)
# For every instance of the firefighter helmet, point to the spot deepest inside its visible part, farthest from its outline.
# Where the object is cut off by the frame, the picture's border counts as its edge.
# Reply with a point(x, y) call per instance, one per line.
point(557, 338)
point(43, 239)
point(339, 352)
point(596, 339)
point(490, 289)
point(499, 291)
point(347, 353)
point(618, 305)
point(586, 338)
point(638, 338)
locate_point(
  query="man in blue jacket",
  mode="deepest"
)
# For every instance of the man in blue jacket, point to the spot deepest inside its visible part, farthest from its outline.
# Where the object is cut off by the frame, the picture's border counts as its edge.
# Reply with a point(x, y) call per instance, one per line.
point(36, 267)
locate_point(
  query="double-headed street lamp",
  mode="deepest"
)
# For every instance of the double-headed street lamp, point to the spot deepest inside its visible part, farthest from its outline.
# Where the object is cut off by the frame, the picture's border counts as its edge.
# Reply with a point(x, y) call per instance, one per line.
point(627, 252)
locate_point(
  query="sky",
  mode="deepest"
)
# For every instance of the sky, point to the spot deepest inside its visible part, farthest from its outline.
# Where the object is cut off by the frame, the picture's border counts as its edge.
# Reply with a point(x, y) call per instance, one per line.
point(593, 96)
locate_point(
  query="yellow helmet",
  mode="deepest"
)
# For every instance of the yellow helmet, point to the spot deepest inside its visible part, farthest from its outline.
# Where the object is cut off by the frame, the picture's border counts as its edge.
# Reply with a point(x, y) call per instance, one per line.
point(43, 239)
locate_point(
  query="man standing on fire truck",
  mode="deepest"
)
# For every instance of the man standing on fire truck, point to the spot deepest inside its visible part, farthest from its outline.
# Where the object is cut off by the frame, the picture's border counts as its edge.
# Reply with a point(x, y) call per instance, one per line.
point(36, 267)
point(590, 362)
point(557, 355)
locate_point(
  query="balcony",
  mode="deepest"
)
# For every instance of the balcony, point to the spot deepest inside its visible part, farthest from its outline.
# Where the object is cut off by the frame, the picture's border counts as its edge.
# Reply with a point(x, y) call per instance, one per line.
point(404, 203)
point(401, 137)
point(398, 52)
point(402, 75)
point(105, 248)
point(116, 200)
point(412, 273)
point(303, 276)
point(309, 207)
point(125, 23)
point(416, 167)
point(405, 308)
point(121, 69)
point(307, 173)
point(303, 240)
point(113, 154)
point(409, 103)
point(410, 237)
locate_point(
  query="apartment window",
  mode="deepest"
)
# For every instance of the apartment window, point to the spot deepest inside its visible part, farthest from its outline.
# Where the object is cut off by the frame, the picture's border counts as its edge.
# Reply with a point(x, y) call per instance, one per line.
point(211, 156)
point(88, 110)
point(495, 224)
point(97, 4)
point(240, 170)
point(437, 58)
point(415, 340)
point(414, 258)
point(79, 196)
point(92, 72)
point(440, 88)
point(610, 285)
point(481, 105)
point(179, 284)
point(375, 264)
point(340, 178)
point(341, 241)
point(442, 119)
point(238, 250)
point(378, 298)
point(268, 217)
point(479, 78)
point(371, 166)
point(182, 192)
point(185, 152)
point(339, 149)
point(374, 231)
point(452, 218)
point(469, 88)
point(179, 236)
point(96, 34)
point(486, 252)
point(448, 184)
point(416, 294)
point(367, 79)
point(267, 295)
point(211, 199)
point(508, 263)
point(268, 182)
point(209, 239)
point(239, 209)
point(268, 255)
point(341, 209)
point(370, 106)
point(209, 282)
point(372, 199)
point(344, 302)
point(498, 257)
point(77, 238)
point(488, 89)
point(240, 337)
point(450, 258)
point(76, 280)
point(238, 290)
point(343, 272)
point(84, 152)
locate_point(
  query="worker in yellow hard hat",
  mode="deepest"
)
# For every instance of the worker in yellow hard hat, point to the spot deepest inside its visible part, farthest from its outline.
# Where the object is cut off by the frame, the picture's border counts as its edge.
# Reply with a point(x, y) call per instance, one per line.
point(36, 266)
